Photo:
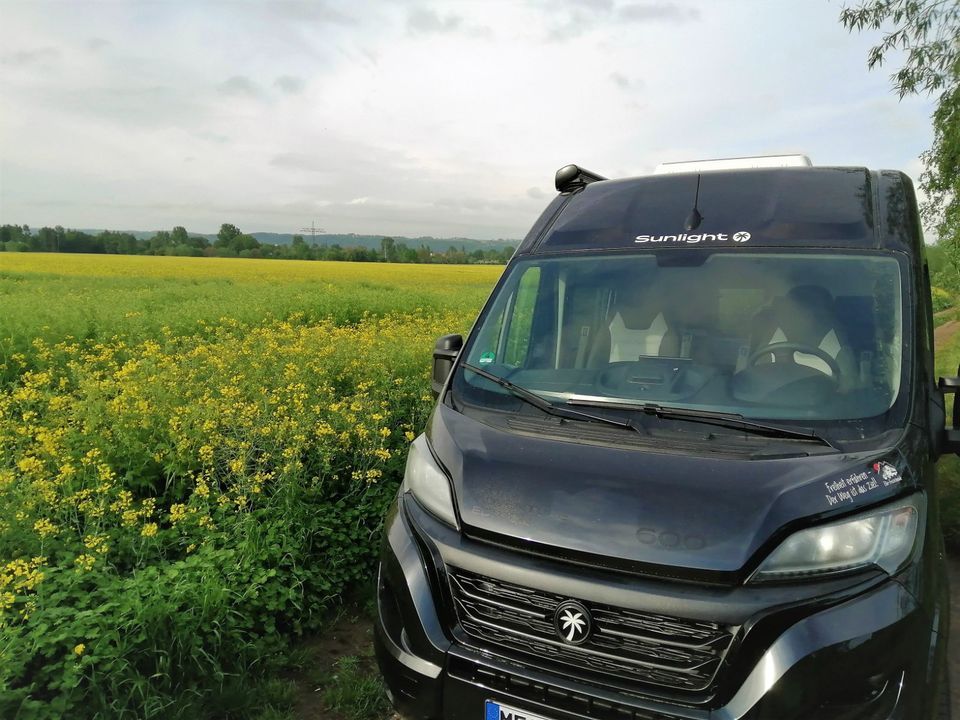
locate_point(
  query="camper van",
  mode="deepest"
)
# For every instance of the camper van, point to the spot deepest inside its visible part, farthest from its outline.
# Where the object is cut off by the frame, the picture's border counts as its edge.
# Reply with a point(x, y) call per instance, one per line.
point(683, 467)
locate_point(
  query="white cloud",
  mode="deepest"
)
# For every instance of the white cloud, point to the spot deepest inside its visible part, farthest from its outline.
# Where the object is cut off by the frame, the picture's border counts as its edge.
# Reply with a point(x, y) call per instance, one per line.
point(290, 84)
point(238, 85)
point(412, 118)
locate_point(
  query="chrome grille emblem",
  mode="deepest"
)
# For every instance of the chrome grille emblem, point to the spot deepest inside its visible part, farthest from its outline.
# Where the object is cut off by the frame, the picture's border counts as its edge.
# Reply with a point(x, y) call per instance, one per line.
point(572, 622)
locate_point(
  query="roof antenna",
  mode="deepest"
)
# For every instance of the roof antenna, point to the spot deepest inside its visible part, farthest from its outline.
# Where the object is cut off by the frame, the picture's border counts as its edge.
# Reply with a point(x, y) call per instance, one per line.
point(694, 218)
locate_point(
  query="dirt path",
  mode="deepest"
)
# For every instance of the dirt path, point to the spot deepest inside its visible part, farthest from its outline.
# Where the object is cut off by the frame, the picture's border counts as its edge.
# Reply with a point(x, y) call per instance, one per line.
point(946, 331)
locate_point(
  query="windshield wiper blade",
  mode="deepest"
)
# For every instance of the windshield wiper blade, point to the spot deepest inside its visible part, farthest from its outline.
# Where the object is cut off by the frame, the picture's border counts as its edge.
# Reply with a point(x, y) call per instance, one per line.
point(729, 420)
point(548, 407)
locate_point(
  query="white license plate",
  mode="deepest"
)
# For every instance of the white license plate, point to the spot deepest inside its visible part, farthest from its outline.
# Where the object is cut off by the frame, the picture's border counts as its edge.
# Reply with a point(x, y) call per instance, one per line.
point(496, 711)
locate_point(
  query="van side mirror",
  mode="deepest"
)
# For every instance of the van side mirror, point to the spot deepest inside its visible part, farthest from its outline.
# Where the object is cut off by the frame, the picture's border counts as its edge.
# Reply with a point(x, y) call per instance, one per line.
point(951, 435)
point(445, 351)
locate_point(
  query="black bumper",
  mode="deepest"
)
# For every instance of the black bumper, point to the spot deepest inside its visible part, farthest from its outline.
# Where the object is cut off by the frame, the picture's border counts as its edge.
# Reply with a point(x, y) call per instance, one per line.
point(871, 653)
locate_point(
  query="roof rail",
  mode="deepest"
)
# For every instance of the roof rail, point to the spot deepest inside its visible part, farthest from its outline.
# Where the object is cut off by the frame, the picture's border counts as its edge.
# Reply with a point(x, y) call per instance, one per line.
point(571, 177)
point(738, 163)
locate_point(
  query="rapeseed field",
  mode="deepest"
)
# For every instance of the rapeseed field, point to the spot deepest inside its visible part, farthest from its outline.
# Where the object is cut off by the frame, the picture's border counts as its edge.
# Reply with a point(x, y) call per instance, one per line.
point(195, 457)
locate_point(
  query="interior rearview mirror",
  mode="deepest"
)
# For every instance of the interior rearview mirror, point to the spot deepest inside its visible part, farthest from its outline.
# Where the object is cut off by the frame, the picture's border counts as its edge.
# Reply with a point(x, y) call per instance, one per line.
point(445, 351)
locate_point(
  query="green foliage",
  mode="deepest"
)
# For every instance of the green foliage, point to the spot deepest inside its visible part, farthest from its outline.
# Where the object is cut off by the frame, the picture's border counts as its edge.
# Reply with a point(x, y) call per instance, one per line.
point(216, 521)
point(926, 31)
point(947, 358)
point(356, 691)
point(942, 300)
point(232, 242)
point(53, 297)
point(176, 507)
point(941, 177)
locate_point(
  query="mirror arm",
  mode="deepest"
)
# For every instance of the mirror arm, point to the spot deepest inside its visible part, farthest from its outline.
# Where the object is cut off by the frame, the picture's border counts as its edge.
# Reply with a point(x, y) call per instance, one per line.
point(445, 353)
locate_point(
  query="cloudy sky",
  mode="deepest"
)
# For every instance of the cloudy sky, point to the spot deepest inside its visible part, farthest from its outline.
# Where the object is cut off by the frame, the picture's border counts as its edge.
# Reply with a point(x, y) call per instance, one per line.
point(412, 118)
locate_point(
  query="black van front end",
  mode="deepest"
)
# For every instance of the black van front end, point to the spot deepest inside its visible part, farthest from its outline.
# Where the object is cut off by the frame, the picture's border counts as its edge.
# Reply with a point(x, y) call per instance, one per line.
point(683, 473)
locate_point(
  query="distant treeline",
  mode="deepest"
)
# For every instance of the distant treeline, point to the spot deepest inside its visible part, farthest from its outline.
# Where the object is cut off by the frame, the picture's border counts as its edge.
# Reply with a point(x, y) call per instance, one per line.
point(230, 242)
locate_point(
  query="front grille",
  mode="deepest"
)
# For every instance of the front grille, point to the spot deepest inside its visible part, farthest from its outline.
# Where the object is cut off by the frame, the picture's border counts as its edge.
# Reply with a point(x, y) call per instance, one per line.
point(625, 645)
point(552, 696)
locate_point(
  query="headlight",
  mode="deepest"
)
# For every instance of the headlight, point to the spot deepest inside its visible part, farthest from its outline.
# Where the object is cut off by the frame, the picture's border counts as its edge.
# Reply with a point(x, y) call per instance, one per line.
point(883, 538)
point(424, 478)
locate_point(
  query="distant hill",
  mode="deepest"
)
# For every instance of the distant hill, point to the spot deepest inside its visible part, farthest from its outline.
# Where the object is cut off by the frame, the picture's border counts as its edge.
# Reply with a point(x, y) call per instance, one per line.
point(350, 240)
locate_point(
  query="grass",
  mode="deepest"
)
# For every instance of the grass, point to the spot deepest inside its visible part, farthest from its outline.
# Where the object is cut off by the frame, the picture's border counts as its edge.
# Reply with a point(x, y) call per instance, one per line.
point(947, 358)
point(97, 297)
point(354, 689)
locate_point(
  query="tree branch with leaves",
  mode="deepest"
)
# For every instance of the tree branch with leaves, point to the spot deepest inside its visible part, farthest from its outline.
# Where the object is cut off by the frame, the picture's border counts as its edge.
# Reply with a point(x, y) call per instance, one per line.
point(927, 34)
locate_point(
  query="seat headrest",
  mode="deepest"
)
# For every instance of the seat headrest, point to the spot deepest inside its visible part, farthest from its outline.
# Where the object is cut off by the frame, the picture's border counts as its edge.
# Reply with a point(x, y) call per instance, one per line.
point(805, 314)
point(812, 297)
point(638, 306)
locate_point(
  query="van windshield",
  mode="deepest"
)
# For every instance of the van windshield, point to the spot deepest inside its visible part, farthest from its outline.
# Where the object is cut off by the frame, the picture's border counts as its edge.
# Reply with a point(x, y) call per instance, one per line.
point(802, 336)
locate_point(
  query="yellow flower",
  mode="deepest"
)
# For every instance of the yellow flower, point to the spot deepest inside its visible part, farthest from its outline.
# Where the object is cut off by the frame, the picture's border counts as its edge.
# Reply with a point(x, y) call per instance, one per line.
point(78, 649)
point(149, 530)
point(45, 528)
point(97, 543)
point(409, 436)
point(30, 466)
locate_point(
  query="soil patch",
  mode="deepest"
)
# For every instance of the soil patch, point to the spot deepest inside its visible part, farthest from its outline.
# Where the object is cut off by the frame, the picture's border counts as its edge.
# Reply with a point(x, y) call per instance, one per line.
point(349, 636)
point(946, 331)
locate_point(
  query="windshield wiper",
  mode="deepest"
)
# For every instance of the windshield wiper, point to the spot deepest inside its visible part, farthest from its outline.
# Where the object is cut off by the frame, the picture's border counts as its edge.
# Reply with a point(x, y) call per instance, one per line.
point(729, 420)
point(548, 407)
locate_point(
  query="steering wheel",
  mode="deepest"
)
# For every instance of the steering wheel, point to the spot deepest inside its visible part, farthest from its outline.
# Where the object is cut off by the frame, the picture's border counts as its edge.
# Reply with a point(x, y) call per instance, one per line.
point(783, 352)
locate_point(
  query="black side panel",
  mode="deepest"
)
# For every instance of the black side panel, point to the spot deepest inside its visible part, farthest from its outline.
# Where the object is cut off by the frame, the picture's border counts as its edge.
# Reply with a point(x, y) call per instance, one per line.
point(900, 227)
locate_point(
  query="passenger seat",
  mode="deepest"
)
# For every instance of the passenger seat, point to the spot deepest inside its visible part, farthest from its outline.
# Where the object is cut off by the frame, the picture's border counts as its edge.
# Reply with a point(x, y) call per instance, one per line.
point(637, 327)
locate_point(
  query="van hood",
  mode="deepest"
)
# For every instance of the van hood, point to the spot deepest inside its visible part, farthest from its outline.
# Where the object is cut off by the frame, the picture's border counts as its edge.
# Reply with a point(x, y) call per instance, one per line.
point(688, 514)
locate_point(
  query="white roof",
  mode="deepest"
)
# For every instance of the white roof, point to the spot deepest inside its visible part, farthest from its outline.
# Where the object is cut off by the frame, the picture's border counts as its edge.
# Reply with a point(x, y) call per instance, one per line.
point(759, 161)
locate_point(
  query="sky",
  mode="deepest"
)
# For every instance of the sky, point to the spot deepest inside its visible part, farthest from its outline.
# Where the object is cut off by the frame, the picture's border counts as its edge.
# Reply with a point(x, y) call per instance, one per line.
point(413, 118)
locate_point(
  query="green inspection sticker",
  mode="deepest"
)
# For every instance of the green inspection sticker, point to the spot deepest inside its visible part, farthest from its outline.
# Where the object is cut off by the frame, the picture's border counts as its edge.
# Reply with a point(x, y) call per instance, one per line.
point(487, 358)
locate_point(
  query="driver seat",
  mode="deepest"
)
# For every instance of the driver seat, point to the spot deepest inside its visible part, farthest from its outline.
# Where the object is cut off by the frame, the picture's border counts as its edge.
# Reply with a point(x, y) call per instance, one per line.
point(806, 315)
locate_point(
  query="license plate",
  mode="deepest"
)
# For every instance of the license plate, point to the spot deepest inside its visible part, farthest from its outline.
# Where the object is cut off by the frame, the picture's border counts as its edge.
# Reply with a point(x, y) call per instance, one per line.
point(496, 711)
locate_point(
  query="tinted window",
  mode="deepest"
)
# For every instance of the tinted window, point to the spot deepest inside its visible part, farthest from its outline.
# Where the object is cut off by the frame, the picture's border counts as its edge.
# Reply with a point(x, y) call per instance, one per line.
point(799, 336)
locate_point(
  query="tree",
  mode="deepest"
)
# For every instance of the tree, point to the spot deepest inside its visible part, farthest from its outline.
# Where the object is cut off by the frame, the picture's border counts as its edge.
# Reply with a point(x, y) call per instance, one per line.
point(387, 249)
point(159, 243)
point(226, 235)
point(243, 242)
point(299, 249)
point(927, 31)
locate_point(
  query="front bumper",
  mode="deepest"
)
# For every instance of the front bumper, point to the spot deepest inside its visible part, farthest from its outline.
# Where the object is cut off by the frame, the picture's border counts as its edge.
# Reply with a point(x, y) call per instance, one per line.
point(867, 654)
